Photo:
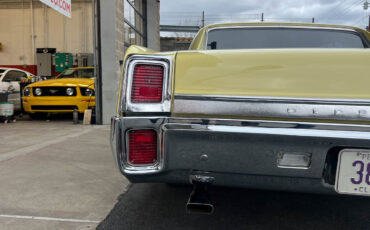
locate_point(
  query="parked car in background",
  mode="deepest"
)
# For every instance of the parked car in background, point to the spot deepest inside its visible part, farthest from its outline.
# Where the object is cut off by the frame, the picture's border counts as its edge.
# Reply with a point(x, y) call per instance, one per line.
point(282, 106)
point(9, 83)
point(71, 90)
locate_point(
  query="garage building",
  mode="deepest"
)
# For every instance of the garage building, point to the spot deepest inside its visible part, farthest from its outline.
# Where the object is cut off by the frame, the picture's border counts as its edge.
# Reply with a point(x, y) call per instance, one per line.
point(30, 29)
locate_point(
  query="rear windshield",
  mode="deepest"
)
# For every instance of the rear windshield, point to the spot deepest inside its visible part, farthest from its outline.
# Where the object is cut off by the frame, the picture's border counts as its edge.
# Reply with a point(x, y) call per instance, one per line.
point(77, 73)
point(259, 38)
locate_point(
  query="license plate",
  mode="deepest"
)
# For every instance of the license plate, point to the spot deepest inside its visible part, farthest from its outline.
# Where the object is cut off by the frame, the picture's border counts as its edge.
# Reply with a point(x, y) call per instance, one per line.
point(353, 172)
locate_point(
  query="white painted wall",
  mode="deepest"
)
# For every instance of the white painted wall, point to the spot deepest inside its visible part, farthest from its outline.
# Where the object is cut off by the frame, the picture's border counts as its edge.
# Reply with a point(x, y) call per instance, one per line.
point(51, 29)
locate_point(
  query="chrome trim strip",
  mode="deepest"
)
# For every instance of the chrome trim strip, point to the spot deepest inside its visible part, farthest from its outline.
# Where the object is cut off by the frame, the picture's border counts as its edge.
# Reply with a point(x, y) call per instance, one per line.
point(126, 106)
point(281, 131)
point(274, 26)
point(263, 99)
point(270, 124)
point(307, 108)
point(272, 128)
point(114, 134)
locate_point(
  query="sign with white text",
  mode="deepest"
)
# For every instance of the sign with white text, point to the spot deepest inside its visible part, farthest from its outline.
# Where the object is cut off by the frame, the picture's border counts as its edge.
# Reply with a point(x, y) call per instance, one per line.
point(62, 6)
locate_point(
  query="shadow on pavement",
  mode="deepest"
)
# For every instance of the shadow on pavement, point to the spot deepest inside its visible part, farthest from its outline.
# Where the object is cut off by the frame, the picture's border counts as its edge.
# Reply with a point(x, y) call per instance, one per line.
point(48, 117)
point(159, 206)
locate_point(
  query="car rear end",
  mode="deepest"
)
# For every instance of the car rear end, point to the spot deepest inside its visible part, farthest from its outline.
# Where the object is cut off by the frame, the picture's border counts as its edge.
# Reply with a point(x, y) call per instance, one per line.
point(294, 120)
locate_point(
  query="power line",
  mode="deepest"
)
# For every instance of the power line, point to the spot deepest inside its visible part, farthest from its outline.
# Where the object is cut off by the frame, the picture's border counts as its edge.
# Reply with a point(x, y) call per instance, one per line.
point(195, 18)
point(341, 9)
point(346, 11)
point(364, 17)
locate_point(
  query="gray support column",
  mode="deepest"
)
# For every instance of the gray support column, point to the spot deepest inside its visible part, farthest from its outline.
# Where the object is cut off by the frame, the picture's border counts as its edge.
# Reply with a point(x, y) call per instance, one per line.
point(111, 50)
point(109, 63)
point(153, 24)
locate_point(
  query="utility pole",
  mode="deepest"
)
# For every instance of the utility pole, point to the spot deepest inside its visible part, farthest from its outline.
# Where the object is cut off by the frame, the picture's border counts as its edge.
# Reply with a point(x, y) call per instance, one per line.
point(262, 19)
point(203, 19)
point(366, 6)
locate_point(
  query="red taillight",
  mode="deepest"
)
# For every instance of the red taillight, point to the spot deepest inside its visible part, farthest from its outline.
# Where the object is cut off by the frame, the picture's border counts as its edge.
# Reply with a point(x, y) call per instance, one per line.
point(142, 147)
point(147, 84)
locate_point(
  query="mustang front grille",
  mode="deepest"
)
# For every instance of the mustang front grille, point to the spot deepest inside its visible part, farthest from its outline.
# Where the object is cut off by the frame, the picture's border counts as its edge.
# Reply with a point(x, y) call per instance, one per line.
point(53, 91)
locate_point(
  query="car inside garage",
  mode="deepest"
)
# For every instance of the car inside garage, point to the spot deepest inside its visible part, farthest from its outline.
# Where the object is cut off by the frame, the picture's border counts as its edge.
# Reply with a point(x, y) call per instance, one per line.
point(44, 39)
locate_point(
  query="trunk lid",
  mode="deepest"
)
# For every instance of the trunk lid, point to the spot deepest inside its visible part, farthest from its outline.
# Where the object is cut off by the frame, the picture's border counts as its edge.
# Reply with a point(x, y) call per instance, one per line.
point(302, 73)
point(313, 84)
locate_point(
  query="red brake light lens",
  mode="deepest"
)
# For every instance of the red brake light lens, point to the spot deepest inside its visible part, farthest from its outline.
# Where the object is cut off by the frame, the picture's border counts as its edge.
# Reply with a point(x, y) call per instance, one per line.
point(147, 84)
point(142, 147)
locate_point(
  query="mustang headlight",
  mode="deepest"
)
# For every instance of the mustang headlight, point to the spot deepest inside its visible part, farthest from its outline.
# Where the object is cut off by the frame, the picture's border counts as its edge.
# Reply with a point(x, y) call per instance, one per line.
point(87, 92)
point(38, 92)
point(27, 92)
point(70, 91)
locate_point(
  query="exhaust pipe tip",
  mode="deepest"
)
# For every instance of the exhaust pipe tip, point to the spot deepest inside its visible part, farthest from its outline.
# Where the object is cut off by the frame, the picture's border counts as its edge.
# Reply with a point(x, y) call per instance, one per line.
point(199, 208)
point(199, 201)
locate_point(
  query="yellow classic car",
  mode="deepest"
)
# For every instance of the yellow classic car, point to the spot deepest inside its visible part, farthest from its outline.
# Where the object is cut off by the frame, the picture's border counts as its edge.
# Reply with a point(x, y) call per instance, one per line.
point(282, 106)
point(71, 90)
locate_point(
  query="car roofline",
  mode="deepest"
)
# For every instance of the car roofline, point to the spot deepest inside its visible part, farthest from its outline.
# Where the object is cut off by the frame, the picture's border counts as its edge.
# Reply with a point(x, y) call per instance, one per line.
point(285, 24)
point(6, 69)
point(201, 37)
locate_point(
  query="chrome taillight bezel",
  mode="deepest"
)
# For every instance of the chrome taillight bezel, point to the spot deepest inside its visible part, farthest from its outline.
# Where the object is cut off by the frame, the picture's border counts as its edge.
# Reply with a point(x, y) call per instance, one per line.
point(120, 129)
point(126, 105)
point(155, 165)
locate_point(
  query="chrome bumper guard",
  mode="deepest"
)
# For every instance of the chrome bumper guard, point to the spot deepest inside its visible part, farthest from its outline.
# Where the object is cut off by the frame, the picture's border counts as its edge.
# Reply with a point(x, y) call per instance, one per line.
point(225, 148)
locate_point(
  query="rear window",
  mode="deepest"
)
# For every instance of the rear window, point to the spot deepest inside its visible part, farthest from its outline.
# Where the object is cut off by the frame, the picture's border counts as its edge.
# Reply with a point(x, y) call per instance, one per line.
point(259, 38)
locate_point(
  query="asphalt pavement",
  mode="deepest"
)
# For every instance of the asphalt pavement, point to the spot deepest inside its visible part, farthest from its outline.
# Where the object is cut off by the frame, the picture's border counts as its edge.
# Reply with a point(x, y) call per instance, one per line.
point(56, 175)
point(159, 206)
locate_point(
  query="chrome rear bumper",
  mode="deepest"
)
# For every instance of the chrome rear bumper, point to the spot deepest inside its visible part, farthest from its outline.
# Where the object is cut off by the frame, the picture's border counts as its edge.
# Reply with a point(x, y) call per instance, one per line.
point(241, 153)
